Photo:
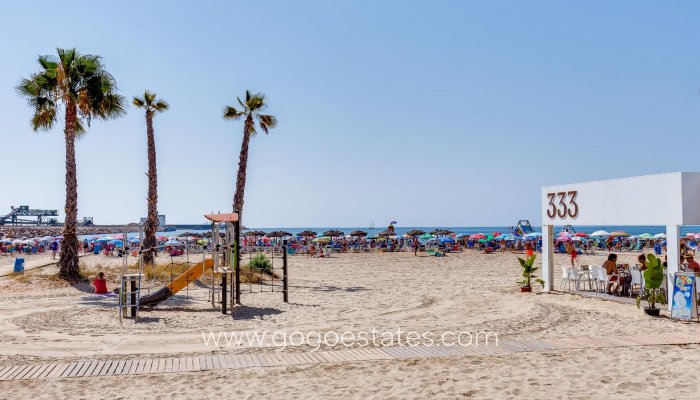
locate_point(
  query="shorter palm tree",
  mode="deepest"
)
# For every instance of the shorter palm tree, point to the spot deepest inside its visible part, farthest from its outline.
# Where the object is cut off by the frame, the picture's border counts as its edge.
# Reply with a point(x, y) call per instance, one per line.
point(152, 105)
point(251, 111)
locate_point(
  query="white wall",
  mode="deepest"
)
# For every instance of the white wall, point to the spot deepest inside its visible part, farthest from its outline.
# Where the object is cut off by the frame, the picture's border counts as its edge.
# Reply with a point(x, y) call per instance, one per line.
point(662, 199)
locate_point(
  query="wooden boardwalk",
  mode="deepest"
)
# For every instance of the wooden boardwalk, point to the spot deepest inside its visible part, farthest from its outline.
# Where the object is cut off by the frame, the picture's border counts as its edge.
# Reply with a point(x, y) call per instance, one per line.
point(144, 366)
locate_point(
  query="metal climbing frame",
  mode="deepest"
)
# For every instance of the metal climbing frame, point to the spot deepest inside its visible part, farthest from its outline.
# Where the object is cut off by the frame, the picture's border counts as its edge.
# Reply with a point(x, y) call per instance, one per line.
point(129, 284)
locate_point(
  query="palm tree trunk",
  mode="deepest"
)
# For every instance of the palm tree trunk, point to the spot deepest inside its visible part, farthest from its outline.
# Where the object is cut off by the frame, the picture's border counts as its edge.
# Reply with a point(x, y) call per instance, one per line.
point(68, 267)
point(242, 168)
point(152, 219)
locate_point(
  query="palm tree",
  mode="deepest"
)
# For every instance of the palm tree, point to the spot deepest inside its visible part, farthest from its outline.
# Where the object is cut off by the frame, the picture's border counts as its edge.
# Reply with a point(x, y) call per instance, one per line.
point(149, 103)
point(251, 111)
point(80, 84)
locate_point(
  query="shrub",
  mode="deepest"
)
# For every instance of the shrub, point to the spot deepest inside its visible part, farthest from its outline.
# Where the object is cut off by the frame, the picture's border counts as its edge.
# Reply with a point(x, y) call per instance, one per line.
point(261, 263)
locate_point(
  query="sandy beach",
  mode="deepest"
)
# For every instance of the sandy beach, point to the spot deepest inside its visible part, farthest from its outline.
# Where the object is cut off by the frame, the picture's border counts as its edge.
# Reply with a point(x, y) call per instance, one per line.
point(45, 321)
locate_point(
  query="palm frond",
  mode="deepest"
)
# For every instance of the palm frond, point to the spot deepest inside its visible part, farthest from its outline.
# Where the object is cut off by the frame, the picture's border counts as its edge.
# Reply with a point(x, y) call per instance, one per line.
point(256, 102)
point(138, 102)
point(269, 120)
point(252, 130)
point(232, 113)
point(161, 105)
point(80, 130)
point(44, 117)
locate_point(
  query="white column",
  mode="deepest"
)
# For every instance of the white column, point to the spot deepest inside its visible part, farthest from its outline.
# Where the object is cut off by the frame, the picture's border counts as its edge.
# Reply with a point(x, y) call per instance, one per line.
point(548, 257)
point(673, 255)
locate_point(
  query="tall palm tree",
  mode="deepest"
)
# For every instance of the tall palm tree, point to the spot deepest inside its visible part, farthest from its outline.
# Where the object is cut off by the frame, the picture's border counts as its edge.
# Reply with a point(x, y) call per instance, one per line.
point(251, 112)
point(80, 85)
point(152, 105)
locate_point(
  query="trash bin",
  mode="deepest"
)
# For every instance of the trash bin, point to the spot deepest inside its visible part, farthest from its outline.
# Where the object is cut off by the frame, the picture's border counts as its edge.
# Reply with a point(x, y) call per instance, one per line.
point(19, 265)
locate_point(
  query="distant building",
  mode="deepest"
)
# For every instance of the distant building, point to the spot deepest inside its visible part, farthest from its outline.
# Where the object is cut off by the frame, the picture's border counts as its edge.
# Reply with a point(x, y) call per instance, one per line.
point(161, 220)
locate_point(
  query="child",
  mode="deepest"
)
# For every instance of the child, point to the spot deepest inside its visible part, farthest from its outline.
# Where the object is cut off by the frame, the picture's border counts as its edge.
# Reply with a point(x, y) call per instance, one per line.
point(100, 284)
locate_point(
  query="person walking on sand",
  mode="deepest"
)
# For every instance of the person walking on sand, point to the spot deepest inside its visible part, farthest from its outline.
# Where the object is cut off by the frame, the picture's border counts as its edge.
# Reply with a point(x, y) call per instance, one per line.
point(54, 249)
point(572, 254)
point(415, 246)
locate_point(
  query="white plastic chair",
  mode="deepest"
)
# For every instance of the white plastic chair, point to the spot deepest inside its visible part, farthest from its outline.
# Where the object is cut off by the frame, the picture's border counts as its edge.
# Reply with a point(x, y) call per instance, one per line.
point(564, 276)
point(636, 280)
point(593, 276)
point(572, 276)
point(604, 278)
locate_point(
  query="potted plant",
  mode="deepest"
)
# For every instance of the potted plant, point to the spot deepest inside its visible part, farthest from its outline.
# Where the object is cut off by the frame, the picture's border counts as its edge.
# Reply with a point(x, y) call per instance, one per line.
point(529, 273)
point(653, 279)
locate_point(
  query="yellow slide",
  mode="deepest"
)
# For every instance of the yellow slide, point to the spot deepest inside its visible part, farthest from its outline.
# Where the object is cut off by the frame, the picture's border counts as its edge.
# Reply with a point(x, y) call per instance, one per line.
point(178, 283)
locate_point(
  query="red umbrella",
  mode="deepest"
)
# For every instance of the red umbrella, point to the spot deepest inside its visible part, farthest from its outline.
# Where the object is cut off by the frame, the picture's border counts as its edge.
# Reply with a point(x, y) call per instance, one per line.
point(581, 234)
point(477, 236)
point(496, 234)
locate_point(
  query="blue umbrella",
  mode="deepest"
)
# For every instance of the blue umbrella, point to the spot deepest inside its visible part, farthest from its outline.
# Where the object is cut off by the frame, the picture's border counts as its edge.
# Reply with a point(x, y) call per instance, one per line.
point(115, 242)
point(447, 239)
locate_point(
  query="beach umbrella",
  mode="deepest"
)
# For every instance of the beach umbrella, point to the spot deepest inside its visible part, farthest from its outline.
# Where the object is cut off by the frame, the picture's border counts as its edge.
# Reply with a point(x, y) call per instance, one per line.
point(447, 239)
point(115, 242)
point(103, 239)
point(564, 233)
point(333, 232)
point(426, 236)
point(645, 236)
point(386, 233)
point(563, 239)
point(173, 242)
point(496, 234)
point(17, 241)
point(619, 234)
point(358, 233)
point(279, 234)
point(307, 234)
point(660, 236)
point(477, 236)
point(415, 232)
point(600, 234)
point(577, 238)
point(532, 236)
point(438, 232)
point(581, 234)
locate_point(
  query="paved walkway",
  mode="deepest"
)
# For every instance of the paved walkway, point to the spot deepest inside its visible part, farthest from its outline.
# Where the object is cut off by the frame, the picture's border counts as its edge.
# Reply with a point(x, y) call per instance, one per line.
point(141, 366)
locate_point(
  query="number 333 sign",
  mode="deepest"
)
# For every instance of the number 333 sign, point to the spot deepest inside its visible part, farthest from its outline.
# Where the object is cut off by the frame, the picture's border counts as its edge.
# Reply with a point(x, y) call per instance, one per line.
point(562, 204)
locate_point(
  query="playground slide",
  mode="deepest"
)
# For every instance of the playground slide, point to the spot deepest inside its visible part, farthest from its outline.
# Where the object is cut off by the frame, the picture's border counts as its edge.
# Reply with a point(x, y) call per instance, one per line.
point(177, 284)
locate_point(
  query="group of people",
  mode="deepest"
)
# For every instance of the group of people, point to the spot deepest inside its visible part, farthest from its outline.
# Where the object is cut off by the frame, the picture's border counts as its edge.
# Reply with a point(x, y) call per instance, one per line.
point(620, 283)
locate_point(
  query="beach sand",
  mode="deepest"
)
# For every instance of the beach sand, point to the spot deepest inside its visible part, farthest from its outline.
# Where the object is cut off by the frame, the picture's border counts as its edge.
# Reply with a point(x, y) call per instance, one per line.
point(43, 320)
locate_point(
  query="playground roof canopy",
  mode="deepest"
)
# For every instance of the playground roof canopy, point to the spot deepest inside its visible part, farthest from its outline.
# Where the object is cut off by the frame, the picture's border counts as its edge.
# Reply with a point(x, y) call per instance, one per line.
point(228, 217)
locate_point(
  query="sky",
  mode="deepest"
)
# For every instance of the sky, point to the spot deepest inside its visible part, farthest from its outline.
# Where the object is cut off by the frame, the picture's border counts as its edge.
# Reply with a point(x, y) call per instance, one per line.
point(440, 113)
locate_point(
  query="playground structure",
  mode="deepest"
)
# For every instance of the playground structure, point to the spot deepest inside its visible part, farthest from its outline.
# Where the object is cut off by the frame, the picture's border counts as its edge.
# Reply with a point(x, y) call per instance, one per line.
point(522, 228)
point(224, 267)
point(12, 218)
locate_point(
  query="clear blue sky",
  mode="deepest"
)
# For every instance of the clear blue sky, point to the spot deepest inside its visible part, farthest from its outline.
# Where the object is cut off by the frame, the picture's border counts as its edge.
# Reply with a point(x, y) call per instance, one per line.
point(430, 113)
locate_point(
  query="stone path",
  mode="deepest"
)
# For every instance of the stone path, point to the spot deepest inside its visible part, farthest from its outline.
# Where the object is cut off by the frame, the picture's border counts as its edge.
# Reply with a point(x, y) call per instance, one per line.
point(143, 366)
